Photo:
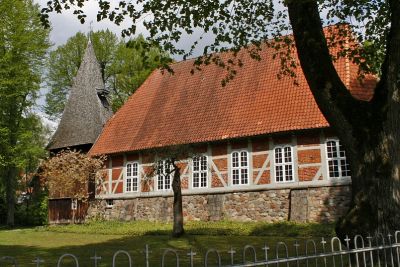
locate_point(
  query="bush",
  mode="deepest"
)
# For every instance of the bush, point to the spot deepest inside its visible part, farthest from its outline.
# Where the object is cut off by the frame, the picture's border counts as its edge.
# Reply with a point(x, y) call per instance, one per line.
point(69, 174)
point(32, 211)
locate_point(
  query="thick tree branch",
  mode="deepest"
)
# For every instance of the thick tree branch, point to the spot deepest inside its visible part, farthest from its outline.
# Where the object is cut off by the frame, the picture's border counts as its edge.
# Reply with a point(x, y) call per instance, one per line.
point(393, 53)
point(390, 65)
point(333, 98)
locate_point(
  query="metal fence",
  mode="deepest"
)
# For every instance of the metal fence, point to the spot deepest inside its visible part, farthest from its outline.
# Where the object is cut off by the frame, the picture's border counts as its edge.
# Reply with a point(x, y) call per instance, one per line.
point(379, 250)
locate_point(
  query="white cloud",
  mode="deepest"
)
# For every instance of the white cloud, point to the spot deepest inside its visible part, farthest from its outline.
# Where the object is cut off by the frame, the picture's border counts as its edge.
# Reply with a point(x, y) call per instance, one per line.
point(66, 25)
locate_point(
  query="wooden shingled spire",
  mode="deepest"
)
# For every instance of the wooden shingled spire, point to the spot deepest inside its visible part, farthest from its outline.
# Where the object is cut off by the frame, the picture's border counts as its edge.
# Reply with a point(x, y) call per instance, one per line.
point(87, 108)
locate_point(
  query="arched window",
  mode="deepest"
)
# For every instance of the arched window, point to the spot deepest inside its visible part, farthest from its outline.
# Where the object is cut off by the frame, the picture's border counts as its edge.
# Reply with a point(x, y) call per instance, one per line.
point(132, 177)
point(283, 164)
point(240, 167)
point(200, 172)
point(338, 167)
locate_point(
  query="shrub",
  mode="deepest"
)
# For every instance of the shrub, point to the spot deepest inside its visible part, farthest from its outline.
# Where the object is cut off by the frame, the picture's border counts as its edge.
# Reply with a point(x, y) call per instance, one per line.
point(32, 211)
point(69, 173)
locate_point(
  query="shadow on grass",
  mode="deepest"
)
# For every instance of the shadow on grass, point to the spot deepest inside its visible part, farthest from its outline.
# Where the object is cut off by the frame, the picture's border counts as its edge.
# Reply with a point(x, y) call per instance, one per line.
point(135, 246)
point(288, 229)
point(198, 239)
point(222, 228)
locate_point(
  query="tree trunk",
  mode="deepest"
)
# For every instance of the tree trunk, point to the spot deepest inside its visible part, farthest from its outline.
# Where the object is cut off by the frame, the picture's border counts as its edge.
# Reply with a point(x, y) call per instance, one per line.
point(177, 230)
point(375, 203)
point(11, 173)
point(370, 131)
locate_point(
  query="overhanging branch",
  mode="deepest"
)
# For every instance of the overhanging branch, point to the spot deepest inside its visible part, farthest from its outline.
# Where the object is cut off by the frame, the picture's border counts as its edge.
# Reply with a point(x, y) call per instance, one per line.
point(390, 67)
point(333, 98)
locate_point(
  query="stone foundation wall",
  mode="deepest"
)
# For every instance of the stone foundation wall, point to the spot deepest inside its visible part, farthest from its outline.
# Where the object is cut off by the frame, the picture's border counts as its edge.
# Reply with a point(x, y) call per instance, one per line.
point(320, 204)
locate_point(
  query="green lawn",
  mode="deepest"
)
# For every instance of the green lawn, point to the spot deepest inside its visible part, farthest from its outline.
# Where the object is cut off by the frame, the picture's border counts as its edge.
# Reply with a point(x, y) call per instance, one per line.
point(106, 238)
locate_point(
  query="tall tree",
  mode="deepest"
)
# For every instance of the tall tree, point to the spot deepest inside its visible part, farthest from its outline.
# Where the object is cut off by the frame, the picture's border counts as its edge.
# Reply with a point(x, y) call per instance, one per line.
point(63, 64)
point(132, 64)
point(23, 44)
point(124, 67)
point(368, 129)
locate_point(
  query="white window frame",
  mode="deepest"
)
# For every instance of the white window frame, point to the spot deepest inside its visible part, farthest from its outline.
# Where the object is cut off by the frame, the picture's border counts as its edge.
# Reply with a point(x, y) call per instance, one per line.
point(131, 178)
point(284, 164)
point(340, 155)
point(240, 167)
point(164, 187)
point(201, 171)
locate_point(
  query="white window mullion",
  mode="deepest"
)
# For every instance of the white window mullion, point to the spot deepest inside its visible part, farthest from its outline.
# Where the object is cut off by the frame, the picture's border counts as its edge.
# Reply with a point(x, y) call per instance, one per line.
point(132, 177)
point(338, 160)
point(335, 156)
point(240, 167)
point(200, 172)
point(283, 159)
point(163, 175)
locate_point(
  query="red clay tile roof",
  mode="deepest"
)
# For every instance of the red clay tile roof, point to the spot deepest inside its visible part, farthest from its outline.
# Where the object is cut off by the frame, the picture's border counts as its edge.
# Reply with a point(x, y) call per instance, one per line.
point(183, 108)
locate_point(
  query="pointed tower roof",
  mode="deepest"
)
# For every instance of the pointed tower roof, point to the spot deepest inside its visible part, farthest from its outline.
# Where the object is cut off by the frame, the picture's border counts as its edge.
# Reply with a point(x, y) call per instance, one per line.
point(87, 109)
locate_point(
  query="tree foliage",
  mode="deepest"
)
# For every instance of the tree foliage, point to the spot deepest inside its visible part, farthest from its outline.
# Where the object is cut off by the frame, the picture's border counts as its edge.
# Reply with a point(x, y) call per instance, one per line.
point(69, 174)
point(124, 66)
point(237, 24)
point(23, 45)
point(27, 153)
point(369, 36)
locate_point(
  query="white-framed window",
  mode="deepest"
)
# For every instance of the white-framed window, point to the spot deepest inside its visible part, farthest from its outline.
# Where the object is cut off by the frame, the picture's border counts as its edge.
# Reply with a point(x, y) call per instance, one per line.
point(200, 172)
point(283, 159)
point(132, 177)
point(240, 167)
point(164, 175)
point(338, 167)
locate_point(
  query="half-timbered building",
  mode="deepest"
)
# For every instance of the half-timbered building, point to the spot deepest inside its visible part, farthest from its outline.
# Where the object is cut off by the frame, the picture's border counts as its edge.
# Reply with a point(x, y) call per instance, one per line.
point(264, 151)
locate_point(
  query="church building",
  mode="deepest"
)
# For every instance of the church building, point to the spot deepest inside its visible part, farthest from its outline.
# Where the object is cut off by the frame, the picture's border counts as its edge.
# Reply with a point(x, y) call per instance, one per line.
point(264, 151)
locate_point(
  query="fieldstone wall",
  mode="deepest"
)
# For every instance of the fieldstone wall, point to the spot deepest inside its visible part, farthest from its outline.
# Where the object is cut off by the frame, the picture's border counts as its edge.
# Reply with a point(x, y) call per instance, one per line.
point(321, 204)
point(328, 202)
point(311, 204)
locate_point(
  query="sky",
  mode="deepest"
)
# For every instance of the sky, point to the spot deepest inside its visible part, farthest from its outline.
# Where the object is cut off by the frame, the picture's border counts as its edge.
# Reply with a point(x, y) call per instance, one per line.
point(66, 25)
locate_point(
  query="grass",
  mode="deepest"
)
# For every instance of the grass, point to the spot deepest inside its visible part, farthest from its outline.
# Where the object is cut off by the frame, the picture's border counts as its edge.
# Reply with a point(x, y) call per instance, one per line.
point(106, 238)
point(222, 228)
